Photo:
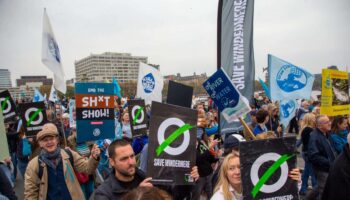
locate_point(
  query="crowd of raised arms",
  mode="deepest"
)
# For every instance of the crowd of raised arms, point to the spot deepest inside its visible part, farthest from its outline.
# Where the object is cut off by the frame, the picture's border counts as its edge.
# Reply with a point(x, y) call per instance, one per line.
point(55, 166)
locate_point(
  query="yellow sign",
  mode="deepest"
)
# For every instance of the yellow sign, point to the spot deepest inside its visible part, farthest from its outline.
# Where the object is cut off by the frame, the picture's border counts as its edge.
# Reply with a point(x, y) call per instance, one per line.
point(335, 93)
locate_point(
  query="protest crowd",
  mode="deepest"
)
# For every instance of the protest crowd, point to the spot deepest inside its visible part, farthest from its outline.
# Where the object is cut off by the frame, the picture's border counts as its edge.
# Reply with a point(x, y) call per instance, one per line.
point(237, 144)
point(55, 166)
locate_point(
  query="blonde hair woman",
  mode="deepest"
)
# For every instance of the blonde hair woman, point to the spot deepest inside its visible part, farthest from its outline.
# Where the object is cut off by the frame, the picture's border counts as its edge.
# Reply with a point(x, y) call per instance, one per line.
point(309, 123)
point(229, 186)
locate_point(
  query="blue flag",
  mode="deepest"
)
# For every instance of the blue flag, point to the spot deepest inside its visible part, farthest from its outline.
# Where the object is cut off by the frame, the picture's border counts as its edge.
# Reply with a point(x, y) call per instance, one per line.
point(229, 100)
point(288, 81)
point(117, 89)
point(266, 89)
point(38, 96)
point(287, 111)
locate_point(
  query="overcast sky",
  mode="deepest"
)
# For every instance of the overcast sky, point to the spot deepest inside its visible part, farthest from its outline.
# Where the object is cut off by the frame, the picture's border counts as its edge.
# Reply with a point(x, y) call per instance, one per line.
point(180, 35)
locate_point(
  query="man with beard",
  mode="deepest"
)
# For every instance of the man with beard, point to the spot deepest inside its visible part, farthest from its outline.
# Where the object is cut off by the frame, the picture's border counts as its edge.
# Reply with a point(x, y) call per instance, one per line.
point(125, 176)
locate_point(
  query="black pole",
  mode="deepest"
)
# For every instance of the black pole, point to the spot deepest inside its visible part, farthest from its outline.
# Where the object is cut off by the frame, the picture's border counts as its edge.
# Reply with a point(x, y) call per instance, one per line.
point(219, 49)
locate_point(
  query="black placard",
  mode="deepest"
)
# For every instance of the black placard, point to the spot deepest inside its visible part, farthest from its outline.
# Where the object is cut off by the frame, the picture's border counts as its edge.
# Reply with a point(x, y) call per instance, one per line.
point(257, 158)
point(8, 106)
point(137, 110)
point(179, 94)
point(33, 117)
point(171, 161)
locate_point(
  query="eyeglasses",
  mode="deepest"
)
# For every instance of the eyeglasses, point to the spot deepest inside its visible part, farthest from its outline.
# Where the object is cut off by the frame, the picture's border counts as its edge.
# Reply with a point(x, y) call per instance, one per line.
point(327, 122)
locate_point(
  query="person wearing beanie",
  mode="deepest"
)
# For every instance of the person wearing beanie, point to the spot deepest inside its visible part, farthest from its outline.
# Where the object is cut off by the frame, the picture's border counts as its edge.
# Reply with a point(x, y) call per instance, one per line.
point(50, 175)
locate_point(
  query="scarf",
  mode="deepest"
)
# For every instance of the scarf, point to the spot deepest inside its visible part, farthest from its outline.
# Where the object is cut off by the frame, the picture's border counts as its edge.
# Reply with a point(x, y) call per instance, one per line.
point(51, 159)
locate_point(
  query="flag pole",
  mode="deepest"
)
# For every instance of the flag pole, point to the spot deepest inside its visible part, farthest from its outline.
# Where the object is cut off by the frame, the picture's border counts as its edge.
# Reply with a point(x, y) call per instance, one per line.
point(250, 133)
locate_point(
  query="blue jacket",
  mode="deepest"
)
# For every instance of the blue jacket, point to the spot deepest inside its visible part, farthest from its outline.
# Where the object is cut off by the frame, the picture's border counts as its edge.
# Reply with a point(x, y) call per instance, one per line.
point(338, 140)
point(320, 151)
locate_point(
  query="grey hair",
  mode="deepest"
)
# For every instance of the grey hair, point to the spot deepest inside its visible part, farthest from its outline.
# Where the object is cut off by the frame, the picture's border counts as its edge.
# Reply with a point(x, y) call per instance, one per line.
point(318, 119)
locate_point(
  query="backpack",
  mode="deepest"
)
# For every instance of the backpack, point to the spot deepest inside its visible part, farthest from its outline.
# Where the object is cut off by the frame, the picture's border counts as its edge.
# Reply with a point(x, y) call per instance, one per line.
point(71, 160)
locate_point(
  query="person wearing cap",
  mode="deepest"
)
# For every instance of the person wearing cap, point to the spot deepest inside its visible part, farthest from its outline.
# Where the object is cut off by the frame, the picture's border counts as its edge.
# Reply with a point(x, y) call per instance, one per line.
point(50, 175)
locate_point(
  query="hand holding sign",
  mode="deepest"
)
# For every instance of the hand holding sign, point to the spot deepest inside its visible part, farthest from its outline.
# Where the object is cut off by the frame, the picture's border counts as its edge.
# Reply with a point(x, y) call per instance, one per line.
point(146, 182)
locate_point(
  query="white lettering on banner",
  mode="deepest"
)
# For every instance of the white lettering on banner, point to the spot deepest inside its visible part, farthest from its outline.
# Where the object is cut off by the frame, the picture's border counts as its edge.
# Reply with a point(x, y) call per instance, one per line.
point(95, 113)
point(9, 115)
point(92, 101)
point(286, 197)
point(140, 126)
point(214, 85)
point(238, 44)
point(35, 128)
point(171, 163)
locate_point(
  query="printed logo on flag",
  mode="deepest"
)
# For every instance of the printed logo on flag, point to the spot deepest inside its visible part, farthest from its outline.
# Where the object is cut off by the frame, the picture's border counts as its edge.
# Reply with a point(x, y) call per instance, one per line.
point(148, 83)
point(287, 108)
point(53, 48)
point(290, 78)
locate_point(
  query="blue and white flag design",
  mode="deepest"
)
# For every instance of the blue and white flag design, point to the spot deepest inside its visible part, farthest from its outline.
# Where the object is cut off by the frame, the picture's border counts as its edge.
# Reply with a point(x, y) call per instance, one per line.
point(38, 96)
point(149, 84)
point(51, 55)
point(228, 99)
point(53, 95)
point(266, 89)
point(288, 81)
point(287, 111)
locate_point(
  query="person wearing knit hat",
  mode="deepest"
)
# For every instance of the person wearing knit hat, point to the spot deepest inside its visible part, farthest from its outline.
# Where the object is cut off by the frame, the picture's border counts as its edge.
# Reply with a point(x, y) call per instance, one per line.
point(231, 143)
point(50, 175)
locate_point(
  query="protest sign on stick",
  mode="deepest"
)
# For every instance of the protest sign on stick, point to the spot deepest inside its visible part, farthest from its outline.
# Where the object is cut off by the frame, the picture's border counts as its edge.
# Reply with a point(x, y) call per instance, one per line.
point(8, 106)
point(33, 117)
point(138, 117)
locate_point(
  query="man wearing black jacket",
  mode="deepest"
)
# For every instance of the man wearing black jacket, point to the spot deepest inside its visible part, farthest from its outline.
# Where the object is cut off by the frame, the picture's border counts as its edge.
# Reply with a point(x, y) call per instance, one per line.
point(321, 154)
point(338, 182)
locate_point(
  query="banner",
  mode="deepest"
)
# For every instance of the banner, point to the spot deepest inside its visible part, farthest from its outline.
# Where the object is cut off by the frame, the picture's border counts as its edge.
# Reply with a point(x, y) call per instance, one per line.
point(4, 149)
point(50, 55)
point(138, 117)
point(288, 81)
point(38, 96)
point(226, 97)
point(335, 93)
point(53, 95)
point(235, 51)
point(117, 89)
point(264, 171)
point(94, 111)
point(33, 117)
point(287, 111)
point(8, 106)
point(72, 113)
point(149, 84)
point(266, 89)
point(172, 144)
point(179, 94)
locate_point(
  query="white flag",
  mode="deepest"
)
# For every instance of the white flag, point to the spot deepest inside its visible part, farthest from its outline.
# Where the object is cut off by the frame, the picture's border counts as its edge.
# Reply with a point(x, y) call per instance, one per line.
point(53, 95)
point(51, 55)
point(149, 84)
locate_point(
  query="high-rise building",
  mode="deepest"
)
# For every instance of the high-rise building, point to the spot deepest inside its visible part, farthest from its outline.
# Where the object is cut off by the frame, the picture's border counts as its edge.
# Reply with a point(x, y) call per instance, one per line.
point(5, 78)
point(40, 80)
point(102, 67)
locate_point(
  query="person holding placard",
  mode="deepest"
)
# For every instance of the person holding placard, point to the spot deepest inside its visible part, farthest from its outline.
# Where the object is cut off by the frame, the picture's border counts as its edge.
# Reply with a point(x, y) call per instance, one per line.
point(229, 186)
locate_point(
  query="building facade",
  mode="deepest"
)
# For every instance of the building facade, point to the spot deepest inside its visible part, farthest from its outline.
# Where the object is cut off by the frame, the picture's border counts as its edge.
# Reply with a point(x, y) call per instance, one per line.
point(103, 67)
point(41, 80)
point(5, 78)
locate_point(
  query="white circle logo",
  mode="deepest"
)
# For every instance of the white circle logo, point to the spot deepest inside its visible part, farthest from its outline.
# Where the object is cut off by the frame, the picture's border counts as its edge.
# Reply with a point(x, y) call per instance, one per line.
point(161, 131)
point(96, 132)
point(134, 111)
point(8, 104)
point(255, 169)
point(33, 110)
